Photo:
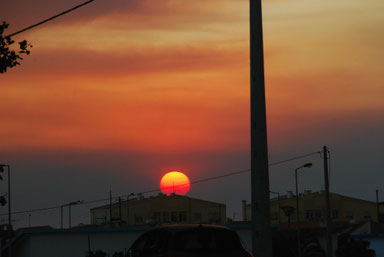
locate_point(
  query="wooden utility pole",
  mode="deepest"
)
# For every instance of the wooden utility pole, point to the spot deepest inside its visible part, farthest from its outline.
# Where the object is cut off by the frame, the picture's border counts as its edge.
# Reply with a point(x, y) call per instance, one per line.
point(261, 227)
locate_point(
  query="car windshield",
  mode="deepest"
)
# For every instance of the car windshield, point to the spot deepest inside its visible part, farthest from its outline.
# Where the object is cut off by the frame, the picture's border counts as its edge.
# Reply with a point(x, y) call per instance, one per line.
point(207, 240)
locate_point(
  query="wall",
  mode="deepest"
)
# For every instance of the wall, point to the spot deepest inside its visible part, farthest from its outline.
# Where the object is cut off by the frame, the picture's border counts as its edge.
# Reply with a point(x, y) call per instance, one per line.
point(74, 242)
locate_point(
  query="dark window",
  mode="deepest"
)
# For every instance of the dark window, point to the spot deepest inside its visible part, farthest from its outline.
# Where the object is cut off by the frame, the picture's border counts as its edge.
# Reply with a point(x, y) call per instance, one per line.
point(152, 242)
point(165, 216)
point(335, 214)
point(309, 214)
point(156, 242)
point(318, 214)
point(157, 217)
point(174, 216)
point(349, 215)
point(183, 216)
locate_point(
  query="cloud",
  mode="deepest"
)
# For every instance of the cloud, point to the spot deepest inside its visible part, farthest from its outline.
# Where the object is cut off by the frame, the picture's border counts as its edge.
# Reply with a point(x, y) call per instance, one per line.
point(132, 14)
point(135, 61)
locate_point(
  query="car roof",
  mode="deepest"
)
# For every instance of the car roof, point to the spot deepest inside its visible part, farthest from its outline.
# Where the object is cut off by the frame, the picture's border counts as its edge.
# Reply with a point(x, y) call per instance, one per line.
point(177, 227)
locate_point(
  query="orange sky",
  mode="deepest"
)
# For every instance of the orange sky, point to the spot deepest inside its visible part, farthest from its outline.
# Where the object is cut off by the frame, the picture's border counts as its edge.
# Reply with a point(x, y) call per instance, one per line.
point(171, 76)
point(175, 75)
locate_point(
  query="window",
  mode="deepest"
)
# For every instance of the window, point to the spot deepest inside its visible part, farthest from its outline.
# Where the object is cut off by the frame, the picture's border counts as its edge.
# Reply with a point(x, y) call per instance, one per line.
point(157, 217)
point(275, 216)
point(367, 215)
point(309, 214)
point(174, 216)
point(335, 214)
point(349, 215)
point(166, 217)
point(183, 216)
point(151, 243)
point(318, 214)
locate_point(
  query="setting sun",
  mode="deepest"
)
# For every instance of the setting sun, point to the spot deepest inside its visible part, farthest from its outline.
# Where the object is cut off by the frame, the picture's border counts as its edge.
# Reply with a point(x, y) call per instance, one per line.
point(175, 182)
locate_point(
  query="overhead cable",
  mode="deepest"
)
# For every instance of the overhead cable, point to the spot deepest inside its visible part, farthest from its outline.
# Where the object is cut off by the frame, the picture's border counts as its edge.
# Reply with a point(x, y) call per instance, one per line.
point(49, 19)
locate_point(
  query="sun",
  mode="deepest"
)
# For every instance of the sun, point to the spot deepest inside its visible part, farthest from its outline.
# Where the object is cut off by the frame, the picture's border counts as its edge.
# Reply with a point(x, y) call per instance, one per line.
point(175, 182)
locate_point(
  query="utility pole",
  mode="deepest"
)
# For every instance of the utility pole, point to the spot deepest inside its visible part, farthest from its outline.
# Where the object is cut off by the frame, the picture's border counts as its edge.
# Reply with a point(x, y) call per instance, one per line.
point(131, 194)
point(377, 206)
point(110, 207)
point(327, 204)
point(69, 216)
point(120, 209)
point(128, 210)
point(261, 226)
point(61, 209)
point(9, 198)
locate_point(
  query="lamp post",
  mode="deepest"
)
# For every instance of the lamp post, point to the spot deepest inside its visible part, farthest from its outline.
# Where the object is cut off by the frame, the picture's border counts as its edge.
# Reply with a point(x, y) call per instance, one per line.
point(2, 166)
point(278, 203)
point(307, 165)
point(131, 194)
point(69, 212)
point(327, 203)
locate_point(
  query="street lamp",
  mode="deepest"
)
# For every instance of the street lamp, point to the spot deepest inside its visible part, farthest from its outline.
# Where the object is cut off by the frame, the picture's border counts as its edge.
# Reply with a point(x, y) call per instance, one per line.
point(69, 211)
point(278, 202)
point(131, 194)
point(307, 165)
point(2, 166)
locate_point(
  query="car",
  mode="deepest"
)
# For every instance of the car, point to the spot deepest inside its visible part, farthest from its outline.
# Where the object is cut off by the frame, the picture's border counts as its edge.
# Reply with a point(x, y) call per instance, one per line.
point(188, 241)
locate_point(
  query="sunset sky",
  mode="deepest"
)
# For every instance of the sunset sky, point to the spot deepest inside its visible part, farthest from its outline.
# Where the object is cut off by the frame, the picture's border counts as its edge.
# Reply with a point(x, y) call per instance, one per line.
point(117, 93)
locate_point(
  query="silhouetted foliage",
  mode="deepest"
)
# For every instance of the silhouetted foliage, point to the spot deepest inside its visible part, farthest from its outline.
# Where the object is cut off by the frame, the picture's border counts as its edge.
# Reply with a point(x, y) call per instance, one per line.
point(285, 244)
point(310, 246)
point(350, 247)
point(10, 58)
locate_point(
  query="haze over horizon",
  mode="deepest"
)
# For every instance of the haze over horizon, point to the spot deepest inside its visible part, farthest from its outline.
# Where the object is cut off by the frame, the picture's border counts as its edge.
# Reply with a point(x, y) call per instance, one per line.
point(116, 94)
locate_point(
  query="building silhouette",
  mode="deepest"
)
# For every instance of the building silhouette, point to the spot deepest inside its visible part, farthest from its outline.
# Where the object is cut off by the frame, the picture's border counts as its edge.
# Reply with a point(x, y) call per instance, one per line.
point(160, 209)
point(344, 209)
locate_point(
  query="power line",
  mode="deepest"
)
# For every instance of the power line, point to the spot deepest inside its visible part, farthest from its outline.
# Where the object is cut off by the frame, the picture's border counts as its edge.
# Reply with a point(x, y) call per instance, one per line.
point(158, 189)
point(199, 181)
point(233, 173)
point(294, 158)
point(52, 18)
